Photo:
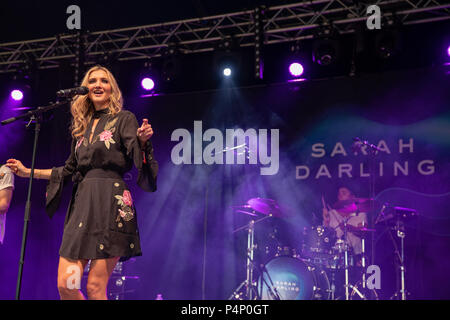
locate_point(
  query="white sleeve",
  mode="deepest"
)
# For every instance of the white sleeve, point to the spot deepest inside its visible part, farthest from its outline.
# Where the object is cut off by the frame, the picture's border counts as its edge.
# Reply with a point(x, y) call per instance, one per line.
point(334, 220)
point(8, 179)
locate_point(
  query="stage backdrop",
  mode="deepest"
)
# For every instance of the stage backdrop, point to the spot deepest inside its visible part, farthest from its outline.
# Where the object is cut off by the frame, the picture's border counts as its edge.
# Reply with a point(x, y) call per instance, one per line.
point(292, 143)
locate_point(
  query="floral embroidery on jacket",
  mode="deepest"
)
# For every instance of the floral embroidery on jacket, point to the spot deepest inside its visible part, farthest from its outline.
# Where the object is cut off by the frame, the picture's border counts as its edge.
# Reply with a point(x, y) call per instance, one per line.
point(107, 133)
point(106, 136)
point(126, 203)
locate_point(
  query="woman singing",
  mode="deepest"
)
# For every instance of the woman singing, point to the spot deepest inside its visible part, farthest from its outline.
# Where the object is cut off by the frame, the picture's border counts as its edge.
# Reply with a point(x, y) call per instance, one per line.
point(101, 222)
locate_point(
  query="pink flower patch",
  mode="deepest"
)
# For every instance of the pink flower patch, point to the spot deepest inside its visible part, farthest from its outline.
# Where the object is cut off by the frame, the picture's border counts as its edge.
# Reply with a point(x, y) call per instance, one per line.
point(105, 135)
point(123, 214)
point(126, 198)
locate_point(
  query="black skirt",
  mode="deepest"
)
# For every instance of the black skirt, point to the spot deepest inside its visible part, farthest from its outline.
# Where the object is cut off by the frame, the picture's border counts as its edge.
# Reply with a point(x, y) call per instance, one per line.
point(101, 221)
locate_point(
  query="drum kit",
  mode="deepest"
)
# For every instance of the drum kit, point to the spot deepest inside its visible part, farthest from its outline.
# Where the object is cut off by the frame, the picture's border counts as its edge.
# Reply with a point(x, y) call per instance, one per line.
point(321, 267)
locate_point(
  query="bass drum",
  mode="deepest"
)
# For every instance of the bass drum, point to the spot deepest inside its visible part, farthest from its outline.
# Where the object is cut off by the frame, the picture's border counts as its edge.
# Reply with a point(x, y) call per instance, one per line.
point(287, 278)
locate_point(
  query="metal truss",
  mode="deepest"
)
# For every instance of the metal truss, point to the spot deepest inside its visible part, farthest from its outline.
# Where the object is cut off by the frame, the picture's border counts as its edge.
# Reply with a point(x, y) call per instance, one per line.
point(285, 23)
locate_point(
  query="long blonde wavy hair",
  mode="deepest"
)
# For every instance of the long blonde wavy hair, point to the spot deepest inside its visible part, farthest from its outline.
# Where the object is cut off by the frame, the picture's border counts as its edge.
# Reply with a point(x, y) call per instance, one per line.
point(82, 107)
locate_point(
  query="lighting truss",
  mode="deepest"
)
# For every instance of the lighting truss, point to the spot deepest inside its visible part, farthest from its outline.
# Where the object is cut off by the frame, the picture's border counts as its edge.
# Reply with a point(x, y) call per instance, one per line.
point(284, 23)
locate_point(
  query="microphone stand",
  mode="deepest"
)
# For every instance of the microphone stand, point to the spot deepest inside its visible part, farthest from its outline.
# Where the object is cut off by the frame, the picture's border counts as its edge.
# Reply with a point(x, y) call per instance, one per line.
point(34, 115)
point(250, 263)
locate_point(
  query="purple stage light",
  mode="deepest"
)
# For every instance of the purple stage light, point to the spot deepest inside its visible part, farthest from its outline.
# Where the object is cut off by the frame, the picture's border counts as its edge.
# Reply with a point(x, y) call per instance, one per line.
point(296, 69)
point(147, 84)
point(17, 95)
point(448, 51)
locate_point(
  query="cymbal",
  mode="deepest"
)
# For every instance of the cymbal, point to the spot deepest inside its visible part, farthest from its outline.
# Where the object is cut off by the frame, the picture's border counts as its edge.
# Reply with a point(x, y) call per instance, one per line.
point(362, 232)
point(265, 206)
point(359, 231)
point(250, 213)
point(353, 205)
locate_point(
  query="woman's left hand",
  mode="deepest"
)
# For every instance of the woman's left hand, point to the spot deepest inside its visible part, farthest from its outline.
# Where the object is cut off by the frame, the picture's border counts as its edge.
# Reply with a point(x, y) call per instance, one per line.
point(144, 132)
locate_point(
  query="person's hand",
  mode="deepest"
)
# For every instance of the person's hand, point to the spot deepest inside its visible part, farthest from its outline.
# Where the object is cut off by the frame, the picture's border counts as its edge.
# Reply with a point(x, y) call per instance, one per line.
point(18, 168)
point(144, 132)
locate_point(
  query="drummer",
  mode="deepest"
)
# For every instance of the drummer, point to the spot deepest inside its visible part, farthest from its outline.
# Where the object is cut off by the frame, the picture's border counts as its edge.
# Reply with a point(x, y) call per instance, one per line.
point(346, 208)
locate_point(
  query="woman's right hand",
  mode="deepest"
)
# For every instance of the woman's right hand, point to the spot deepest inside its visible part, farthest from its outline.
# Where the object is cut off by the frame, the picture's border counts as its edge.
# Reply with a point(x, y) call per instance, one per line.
point(18, 168)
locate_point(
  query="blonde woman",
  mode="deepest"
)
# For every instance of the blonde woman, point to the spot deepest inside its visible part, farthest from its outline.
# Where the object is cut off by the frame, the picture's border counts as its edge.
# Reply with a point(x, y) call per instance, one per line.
point(101, 223)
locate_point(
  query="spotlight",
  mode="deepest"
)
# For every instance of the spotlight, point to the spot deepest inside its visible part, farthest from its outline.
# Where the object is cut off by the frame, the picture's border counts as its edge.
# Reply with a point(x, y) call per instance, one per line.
point(148, 84)
point(296, 69)
point(227, 72)
point(17, 95)
point(448, 51)
point(226, 60)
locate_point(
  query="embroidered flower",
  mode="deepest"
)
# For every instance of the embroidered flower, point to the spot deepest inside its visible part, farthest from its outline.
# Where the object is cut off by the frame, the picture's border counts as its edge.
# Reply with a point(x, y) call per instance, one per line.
point(126, 198)
point(126, 214)
point(125, 202)
point(106, 136)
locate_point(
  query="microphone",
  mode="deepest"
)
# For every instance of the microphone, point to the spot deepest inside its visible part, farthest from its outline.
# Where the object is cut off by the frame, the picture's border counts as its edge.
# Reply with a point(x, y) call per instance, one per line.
point(359, 143)
point(73, 92)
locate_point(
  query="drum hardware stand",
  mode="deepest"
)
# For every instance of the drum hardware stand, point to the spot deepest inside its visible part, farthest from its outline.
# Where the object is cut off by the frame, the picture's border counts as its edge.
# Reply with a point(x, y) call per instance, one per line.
point(372, 152)
point(250, 288)
point(347, 285)
point(250, 251)
point(272, 289)
point(346, 266)
point(363, 259)
point(400, 228)
point(332, 286)
point(363, 277)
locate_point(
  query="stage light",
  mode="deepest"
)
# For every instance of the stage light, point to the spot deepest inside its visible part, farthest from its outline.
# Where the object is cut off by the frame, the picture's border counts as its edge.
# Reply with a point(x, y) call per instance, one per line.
point(296, 69)
point(448, 51)
point(227, 72)
point(17, 95)
point(148, 84)
point(227, 60)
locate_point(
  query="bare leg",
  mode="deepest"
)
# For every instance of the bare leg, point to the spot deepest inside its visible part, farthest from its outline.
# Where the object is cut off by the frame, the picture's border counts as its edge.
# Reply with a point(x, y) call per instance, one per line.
point(99, 273)
point(69, 278)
